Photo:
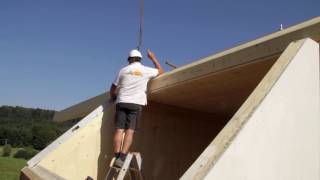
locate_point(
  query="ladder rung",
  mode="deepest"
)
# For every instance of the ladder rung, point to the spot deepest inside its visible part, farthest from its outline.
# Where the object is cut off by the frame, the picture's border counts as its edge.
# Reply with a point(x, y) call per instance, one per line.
point(133, 159)
point(118, 169)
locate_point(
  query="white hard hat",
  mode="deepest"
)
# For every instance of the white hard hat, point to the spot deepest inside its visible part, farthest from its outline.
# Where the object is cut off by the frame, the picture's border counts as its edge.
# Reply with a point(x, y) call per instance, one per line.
point(135, 53)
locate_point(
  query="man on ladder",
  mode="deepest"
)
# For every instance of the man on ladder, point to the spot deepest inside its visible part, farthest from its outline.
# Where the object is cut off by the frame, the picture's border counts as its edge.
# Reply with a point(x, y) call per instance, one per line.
point(129, 91)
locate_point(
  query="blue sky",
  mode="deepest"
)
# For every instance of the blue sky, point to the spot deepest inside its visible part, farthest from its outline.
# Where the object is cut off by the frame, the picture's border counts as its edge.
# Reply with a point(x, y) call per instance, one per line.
point(56, 53)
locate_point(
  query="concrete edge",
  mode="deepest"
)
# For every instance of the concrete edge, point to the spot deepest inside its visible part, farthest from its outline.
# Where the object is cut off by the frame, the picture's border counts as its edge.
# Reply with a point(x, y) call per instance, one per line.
point(68, 134)
point(38, 173)
point(27, 174)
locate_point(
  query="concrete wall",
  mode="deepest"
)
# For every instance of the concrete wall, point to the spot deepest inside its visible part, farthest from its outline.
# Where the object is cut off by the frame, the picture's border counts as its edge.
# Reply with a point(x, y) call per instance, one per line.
point(281, 138)
point(86, 153)
point(169, 140)
point(172, 138)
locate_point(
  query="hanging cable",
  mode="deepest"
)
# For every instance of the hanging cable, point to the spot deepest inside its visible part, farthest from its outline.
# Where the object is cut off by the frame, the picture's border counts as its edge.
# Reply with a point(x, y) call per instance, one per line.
point(141, 24)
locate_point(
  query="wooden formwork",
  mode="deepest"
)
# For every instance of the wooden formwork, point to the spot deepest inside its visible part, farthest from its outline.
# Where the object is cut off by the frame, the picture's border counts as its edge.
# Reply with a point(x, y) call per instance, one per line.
point(190, 108)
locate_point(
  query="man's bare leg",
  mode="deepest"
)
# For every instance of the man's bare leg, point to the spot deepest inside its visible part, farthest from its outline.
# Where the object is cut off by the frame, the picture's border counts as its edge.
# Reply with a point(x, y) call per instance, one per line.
point(128, 138)
point(117, 140)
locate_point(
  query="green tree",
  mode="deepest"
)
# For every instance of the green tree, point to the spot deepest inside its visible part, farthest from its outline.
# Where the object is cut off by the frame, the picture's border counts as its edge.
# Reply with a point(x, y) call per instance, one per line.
point(42, 136)
point(25, 153)
point(30, 127)
point(7, 150)
point(25, 136)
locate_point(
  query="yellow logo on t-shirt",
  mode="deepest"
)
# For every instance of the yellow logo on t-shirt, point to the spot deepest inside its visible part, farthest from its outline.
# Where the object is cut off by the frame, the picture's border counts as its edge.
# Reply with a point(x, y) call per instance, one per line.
point(136, 72)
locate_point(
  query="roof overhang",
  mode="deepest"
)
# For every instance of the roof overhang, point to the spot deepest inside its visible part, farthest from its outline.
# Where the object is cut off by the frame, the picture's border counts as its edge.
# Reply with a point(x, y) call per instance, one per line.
point(234, 72)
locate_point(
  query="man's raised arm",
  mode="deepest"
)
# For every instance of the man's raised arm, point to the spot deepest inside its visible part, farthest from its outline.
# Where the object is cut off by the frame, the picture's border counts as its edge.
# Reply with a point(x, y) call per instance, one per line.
point(155, 61)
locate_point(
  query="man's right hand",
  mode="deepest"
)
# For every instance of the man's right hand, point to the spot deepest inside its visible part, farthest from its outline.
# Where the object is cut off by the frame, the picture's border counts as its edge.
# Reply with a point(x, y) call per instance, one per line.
point(155, 61)
point(151, 55)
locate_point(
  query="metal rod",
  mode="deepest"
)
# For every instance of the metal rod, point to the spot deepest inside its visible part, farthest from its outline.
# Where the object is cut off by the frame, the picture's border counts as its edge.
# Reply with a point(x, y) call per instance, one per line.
point(141, 24)
point(171, 65)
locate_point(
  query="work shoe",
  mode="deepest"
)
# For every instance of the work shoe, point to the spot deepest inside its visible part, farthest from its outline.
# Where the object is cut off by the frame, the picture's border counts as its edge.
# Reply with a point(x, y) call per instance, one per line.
point(118, 163)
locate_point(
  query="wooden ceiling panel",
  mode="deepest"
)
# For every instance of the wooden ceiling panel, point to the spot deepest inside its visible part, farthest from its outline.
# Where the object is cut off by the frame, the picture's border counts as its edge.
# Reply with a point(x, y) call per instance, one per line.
point(220, 93)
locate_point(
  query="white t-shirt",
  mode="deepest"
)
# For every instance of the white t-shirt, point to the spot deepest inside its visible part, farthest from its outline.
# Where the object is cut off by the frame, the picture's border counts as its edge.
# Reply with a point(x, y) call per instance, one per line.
point(132, 83)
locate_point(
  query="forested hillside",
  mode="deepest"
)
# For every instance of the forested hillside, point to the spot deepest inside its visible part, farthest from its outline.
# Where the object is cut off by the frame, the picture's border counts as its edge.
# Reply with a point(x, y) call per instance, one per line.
point(22, 127)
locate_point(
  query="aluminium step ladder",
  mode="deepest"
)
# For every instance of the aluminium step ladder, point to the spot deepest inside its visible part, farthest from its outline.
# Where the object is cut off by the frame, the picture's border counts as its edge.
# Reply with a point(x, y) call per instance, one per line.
point(131, 168)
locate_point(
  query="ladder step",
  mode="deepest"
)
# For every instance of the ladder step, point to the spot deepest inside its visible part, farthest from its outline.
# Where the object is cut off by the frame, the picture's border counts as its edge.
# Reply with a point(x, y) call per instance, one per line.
point(131, 167)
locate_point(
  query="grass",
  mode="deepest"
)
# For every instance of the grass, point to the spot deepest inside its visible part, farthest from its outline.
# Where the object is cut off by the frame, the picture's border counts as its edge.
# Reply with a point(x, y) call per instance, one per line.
point(10, 168)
